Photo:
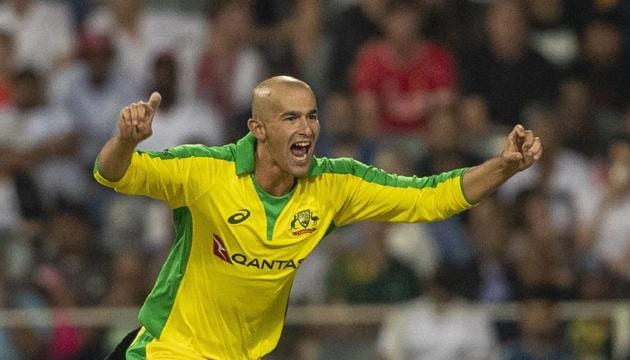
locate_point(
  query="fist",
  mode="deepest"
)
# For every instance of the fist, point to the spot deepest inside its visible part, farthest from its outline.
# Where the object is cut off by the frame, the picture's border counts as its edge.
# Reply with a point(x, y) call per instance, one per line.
point(521, 150)
point(136, 119)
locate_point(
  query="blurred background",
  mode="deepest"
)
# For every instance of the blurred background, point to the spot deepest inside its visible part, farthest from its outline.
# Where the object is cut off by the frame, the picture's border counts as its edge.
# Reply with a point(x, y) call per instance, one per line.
point(541, 270)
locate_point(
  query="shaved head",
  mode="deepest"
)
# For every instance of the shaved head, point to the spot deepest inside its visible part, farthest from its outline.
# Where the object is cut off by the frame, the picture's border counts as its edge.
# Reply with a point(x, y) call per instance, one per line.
point(285, 124)
point(266, 96)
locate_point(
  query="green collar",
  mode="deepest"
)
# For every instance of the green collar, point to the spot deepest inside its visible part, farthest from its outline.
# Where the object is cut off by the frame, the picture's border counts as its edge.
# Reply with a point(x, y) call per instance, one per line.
point(245, 156)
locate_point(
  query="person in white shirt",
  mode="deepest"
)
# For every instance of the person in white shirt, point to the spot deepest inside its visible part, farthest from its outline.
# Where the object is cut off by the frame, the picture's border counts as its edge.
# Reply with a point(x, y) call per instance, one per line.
point(140, 33)
point(42, 137)
point(93, 89)
point(181, 120)
point(438, 327)
point(43, 33)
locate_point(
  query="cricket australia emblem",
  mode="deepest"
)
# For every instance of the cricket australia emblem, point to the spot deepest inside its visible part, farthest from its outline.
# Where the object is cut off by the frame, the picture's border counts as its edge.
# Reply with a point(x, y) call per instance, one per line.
point(304, 222)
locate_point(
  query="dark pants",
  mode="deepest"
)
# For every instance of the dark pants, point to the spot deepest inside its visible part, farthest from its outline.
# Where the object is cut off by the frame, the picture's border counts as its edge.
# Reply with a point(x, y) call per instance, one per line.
point(121, 348)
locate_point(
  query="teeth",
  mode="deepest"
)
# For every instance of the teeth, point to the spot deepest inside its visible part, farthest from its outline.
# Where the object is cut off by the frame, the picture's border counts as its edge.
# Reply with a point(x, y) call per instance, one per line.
point(303, 143)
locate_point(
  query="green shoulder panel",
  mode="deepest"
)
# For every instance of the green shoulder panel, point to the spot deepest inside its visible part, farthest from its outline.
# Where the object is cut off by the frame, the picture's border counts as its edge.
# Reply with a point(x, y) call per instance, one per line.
point(348, 166)
point(225, 152)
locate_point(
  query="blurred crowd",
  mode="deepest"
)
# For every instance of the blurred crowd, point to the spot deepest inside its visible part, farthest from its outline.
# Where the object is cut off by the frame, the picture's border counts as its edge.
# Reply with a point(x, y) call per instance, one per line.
point(415, 87)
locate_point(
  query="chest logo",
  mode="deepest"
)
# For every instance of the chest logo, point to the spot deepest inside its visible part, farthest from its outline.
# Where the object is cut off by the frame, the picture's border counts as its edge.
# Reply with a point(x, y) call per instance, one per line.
point(239, 217)
point(304, 222)
point(219, 249)
point(259, 263)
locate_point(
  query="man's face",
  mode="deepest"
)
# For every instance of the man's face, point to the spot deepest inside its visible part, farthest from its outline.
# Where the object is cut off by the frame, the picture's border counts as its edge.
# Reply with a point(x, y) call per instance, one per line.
point(506, 26)
point(28, 93)
point(402, 25)
point(291, 127)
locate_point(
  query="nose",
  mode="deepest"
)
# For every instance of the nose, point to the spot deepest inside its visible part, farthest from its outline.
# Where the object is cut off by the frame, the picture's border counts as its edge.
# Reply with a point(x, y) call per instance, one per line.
point(304, 126)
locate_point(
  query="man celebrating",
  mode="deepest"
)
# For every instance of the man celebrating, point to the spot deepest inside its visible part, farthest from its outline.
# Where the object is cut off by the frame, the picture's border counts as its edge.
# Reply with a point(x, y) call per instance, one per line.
point(248, 214)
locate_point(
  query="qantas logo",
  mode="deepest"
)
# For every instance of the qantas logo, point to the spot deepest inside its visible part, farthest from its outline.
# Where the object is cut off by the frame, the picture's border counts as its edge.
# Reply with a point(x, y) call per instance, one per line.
point(221, 252)
point(219, 249)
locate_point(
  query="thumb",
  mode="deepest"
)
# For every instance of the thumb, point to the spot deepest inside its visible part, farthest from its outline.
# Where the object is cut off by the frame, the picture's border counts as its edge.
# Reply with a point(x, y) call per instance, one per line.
point(155, 100)
point(513, 156)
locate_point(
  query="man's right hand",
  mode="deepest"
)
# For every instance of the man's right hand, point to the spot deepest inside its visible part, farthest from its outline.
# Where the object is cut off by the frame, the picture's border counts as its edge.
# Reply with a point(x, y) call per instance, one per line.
point(135, 120)
point(134, 126)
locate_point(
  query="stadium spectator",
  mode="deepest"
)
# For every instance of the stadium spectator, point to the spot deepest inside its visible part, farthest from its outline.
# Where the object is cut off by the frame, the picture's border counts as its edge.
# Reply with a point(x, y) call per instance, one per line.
point(7, 58)
point(592, 338)
point(384, 280)
point(542, 334)
point(400, 78)
point(9, 196)
point(140, 33)
point(488, 227)
point(43, 33)
point(93, 89)
point(71, 273)
point(476, 128)
point(585, 129)
point(606, 236)
point(506, 71)
point(603, 66)
point(289, 33)
point(554, 27)
point(562, 173)
point(128, 283)
point(543, 255)
point(43, 140)
point(443, 149)
point(230, 65)
point(439, 326)
point(414, 245)
point(349, 30)
point(8, 348)
point(182, 120)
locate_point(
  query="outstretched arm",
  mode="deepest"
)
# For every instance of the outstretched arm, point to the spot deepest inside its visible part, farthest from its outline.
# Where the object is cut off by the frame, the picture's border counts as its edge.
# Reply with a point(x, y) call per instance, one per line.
point(134, 125)
point(521, 150)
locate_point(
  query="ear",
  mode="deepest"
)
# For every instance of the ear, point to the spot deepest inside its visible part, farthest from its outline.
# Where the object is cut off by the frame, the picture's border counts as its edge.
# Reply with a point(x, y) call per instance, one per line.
point(257, 128)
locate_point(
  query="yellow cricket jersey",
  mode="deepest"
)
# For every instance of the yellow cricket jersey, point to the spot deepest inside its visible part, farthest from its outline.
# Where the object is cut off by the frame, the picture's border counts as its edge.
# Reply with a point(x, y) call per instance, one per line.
point(223, 291)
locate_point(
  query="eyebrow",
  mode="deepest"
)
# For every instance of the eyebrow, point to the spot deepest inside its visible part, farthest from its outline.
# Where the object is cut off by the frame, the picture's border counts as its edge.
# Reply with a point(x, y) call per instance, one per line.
point(297, 113)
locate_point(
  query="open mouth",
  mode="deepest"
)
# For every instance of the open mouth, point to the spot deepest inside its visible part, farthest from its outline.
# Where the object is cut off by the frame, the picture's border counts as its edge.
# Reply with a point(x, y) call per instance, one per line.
point(300, 150)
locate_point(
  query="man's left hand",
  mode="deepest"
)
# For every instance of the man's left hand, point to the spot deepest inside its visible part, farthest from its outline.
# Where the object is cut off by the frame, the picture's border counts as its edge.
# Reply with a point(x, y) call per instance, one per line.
point(521, 150)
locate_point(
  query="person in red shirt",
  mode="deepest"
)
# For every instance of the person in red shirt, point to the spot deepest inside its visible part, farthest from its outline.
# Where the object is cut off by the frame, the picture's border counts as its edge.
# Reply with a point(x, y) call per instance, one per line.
point(6, 68)
point(398, 79)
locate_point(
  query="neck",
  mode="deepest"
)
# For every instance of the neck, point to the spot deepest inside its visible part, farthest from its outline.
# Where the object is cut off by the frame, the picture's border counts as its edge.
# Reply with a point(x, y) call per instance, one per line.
point(407, 49)
point(510, 52)
point(274, 185)
point(271, 177)
point(21, 10)
point(129, 23)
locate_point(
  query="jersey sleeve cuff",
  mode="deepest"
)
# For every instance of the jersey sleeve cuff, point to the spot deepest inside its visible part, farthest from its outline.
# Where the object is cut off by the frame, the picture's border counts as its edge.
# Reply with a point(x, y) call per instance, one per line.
point(465, 201)
point(113, 184)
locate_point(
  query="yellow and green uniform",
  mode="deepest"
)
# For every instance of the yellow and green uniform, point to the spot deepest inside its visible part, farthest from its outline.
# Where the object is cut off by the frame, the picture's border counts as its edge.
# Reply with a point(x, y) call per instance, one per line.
point(223, 291)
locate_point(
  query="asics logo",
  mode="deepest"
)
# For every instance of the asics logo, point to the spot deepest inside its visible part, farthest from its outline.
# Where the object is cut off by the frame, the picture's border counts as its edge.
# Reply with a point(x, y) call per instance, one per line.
point(239, 217)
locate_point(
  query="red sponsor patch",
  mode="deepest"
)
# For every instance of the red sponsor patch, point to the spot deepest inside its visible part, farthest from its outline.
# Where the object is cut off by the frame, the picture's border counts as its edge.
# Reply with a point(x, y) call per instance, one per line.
point(219, 249)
